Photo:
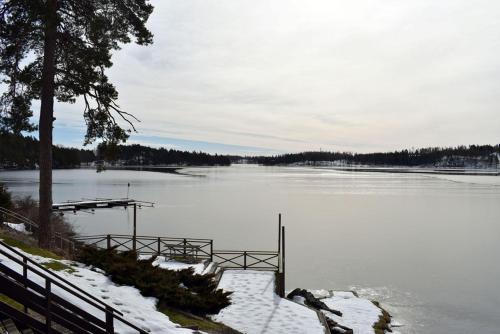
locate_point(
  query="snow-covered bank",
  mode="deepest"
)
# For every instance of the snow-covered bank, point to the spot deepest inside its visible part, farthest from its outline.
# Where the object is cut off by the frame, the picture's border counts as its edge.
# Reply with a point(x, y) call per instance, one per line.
point(256, 309)
point(139, 310)
point(359, 314)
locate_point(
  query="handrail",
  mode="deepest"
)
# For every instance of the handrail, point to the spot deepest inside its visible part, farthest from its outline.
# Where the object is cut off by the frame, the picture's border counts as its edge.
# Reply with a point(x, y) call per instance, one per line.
point(93, 300)
point(32, 225)
point(18, 217)
point(86, 237)
point(258, 260)
point(81, 294)
point(248, 252)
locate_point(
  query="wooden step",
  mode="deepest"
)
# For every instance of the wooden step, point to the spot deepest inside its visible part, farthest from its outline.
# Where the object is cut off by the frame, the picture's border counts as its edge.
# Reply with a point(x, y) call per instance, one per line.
point(10, 326)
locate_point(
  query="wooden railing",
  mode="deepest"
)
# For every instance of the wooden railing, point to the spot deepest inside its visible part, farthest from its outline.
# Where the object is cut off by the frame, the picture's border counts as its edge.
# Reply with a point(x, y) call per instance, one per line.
point(195, 250)
point(58, 240)
point(255, 260)
point(53, 307)
point(187, 249)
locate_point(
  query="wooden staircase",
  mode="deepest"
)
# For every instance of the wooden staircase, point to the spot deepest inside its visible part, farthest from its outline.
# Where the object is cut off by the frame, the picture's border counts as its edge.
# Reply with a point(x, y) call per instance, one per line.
point(8, 326)
point(42, 310)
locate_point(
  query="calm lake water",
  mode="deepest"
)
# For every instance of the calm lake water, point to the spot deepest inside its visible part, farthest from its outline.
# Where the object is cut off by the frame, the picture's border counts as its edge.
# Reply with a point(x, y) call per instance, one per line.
point(427, 246)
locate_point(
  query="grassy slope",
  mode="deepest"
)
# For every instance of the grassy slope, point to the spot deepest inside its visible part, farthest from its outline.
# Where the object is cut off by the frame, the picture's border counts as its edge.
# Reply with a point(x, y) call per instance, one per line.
point(9, 240)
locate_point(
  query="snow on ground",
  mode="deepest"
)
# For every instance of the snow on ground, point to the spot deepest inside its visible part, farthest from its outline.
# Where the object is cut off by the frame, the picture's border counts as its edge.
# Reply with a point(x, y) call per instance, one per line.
point(166, 263)
point(256, 309)
point(359, 314)
point(139, 310)
point(18, 227)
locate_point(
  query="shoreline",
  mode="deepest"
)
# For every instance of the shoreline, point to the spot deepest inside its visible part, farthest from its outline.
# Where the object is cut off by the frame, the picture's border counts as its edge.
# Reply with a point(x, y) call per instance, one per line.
point(408, 170)
point(369, 169)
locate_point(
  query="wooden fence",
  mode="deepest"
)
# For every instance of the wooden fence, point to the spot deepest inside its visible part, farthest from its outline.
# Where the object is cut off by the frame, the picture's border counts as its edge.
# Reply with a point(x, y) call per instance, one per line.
point(196, 250)
point(187, 249)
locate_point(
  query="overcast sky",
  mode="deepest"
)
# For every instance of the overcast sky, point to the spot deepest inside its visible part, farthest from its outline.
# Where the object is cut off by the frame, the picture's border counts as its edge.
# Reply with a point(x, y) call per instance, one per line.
point(267, 76)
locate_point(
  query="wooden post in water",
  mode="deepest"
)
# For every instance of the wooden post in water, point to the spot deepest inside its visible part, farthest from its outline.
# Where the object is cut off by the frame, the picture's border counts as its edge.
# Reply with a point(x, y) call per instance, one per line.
point(279, 237)
point(135, 228)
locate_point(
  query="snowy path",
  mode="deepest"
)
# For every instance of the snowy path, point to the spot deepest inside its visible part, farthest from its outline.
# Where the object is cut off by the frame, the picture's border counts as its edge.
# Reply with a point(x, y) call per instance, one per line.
point(256, 309)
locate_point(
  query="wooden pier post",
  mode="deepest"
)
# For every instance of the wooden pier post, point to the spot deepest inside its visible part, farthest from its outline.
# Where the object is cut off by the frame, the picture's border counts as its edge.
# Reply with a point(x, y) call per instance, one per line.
point(159, 246)
point(283, 259)
point(279, 237)
point(135, 228)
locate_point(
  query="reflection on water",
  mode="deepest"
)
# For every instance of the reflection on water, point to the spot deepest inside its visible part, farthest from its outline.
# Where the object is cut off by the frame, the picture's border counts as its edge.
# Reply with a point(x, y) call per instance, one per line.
point(428, 246)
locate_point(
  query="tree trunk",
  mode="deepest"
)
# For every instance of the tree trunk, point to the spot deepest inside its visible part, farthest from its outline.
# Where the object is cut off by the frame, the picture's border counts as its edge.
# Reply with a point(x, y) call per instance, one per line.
point(45, 125)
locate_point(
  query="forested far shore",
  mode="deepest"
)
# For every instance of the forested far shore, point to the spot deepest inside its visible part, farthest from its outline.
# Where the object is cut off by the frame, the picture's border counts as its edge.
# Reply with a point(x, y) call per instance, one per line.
point(472, 156)
point(22, 152)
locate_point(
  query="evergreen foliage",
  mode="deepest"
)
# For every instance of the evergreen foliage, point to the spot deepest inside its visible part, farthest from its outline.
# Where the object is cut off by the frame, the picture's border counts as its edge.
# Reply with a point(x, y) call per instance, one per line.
point(182, 290)
point(85, 34)
point(54, 50)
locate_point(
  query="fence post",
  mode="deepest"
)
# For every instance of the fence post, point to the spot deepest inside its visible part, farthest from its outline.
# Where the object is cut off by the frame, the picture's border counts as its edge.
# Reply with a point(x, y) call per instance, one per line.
point(108, 239)
point(48, 315)
point(245, 260)
point(211, 250)
point(109, 320)
point(283, 259)
point(279, 241)
point(25, 277)
point(159, 246)
point(185, 243)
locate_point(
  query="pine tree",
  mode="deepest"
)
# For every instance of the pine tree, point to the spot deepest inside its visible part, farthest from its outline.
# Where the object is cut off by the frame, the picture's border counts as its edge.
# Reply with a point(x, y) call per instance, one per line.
point(60, 49)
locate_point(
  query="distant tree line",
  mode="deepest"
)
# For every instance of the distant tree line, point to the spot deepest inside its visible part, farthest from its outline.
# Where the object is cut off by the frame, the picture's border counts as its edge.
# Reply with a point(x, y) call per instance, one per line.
point(22, 152)
point(17, 151)
point(144, 155)
point(418, 157)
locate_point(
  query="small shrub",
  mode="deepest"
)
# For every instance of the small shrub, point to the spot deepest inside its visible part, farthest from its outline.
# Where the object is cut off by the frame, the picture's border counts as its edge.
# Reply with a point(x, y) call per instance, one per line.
point(182, 290)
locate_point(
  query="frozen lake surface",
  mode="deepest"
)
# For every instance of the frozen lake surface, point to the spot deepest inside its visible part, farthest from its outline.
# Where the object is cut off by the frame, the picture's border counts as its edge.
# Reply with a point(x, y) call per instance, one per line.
point(426, 246)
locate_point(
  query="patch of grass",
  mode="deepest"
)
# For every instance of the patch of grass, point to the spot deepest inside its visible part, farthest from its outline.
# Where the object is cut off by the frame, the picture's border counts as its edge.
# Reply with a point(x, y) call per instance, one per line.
point(10, 302)
point(384, 320)
point(27, 248)
point(196, 323)
point(58, 266)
